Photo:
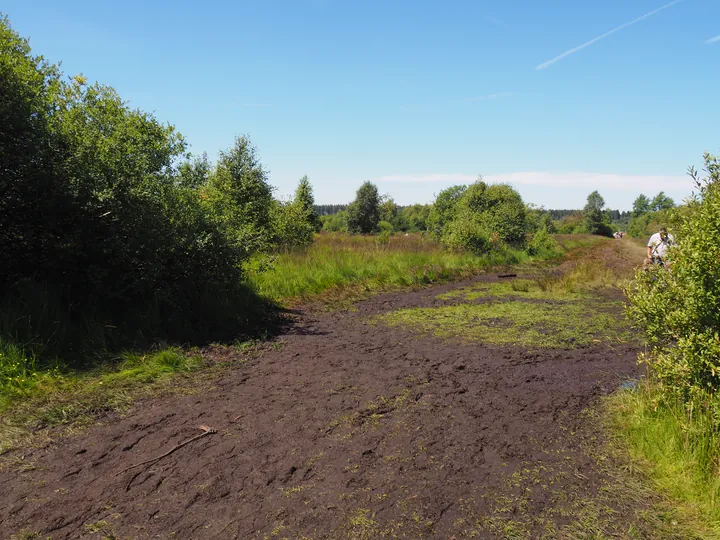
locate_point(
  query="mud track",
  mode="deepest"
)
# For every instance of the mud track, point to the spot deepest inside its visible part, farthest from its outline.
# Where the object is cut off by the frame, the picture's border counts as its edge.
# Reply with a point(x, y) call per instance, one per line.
point(345, 430)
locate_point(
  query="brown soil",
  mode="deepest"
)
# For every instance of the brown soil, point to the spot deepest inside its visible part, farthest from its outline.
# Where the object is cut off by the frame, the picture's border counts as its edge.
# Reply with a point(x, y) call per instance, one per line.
point(346, 430)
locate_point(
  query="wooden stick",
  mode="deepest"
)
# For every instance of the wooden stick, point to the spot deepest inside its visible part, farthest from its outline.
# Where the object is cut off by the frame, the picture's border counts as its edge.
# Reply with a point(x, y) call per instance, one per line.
point(206, 431)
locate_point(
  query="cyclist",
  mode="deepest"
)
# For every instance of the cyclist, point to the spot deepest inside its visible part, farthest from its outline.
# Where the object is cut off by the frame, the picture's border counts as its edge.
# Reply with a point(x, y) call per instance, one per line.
point(658, 246)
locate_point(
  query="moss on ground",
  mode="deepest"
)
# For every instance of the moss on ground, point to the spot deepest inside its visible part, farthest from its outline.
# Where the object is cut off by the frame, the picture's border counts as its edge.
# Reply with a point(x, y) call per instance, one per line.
point(516, 322)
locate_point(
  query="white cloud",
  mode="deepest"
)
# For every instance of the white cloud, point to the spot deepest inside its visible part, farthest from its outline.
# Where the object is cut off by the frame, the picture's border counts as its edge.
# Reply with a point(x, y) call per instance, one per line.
point(606, 34)
point(652, 183)
point(713, 40)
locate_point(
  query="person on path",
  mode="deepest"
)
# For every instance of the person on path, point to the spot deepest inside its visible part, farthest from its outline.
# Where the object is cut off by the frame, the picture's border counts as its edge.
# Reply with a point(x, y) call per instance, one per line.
point(658, 246)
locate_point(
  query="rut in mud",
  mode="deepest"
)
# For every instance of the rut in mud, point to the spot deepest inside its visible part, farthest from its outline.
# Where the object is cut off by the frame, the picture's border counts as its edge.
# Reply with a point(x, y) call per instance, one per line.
point(347, 429)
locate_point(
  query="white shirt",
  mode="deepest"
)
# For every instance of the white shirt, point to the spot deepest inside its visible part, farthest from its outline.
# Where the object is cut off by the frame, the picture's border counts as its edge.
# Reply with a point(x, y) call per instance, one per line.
point(660, 247)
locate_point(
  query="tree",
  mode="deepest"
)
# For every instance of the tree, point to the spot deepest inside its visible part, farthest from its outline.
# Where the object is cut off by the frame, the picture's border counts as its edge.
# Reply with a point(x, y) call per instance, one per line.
point(485, 217)
point(388, 210)
point(662, 202)
point(241, 197)
point(596, 221)
point(641, 206)
point(363, 214)
point(305, 200)
point(443, 209)
point(194, 174)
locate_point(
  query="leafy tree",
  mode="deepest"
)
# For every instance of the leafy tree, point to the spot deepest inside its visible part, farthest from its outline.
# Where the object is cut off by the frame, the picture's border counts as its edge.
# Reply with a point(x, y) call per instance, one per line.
point(363, 214)
point(305, 200)
point(194, 174)
point(641, 206)
point(596, 221)
point(241, 197)
point(662, 202)
point(105, 232)
point(388, 210)
point(443, 210)
point(416, 217)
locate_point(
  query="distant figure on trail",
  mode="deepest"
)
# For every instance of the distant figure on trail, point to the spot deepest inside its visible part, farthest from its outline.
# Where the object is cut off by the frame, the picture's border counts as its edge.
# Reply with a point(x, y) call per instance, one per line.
point(658, 246)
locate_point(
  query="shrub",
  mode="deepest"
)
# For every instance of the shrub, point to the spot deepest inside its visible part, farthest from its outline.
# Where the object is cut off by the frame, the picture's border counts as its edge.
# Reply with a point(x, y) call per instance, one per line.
point(363, 214)
point(442, 211)
point(107, 237)
point(481, 217)
point(542, 242)
point(678, 309)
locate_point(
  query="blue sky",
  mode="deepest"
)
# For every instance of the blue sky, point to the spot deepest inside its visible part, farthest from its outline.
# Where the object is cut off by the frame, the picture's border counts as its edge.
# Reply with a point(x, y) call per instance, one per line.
point(415, 95)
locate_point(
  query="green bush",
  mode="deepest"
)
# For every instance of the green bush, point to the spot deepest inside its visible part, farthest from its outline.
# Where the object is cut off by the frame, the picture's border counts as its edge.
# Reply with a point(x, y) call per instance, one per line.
point(335, 222)
point(678, 309)
point(105, 228)
point(542, 242)
point(480, 217)
point(442, 211)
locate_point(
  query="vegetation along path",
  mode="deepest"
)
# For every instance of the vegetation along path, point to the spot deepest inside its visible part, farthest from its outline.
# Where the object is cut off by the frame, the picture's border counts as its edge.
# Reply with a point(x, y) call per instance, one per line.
point(462, 410)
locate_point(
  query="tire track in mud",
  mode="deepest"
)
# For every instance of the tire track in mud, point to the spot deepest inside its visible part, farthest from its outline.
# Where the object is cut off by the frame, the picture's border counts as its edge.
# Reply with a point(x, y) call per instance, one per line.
point(348, 430)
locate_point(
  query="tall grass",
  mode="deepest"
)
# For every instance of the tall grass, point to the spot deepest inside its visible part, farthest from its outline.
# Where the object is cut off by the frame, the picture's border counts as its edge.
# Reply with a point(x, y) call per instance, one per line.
point(678, 441)
point(340, 261)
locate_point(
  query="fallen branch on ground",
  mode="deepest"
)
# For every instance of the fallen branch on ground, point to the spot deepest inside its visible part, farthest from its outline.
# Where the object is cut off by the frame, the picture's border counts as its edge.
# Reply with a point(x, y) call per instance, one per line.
point(206, 431)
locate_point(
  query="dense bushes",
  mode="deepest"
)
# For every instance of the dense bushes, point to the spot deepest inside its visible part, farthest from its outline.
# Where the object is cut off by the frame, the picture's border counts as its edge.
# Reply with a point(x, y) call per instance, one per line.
point(680, 309)
point(675, 417)
point(480, 218)
point(109, 235)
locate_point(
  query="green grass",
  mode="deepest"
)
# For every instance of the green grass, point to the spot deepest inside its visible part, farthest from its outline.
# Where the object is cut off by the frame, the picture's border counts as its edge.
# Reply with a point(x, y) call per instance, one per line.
point(529, 324)
point(41, 399)
point(337, 262)
point(677, 444)
point(549, 311)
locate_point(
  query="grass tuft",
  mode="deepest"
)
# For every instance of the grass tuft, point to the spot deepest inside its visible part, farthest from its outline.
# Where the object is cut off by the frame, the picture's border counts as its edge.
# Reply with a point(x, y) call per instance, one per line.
point(676, 443)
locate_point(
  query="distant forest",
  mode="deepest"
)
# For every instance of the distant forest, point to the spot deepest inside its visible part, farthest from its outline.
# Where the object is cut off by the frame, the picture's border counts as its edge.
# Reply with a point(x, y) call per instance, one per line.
point(615, 215)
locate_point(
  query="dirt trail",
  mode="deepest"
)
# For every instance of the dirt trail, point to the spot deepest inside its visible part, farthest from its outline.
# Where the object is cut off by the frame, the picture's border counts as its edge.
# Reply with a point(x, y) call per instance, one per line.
point(346, 430)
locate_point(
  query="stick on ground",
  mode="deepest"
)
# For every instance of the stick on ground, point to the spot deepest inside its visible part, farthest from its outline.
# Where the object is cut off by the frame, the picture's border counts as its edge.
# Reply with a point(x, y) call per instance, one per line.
point(206, 431)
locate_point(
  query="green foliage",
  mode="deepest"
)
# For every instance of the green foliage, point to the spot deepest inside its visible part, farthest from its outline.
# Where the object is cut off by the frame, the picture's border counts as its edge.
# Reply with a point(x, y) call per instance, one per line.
point(480, 217)
point(678, 309)
point(335, 222)
point(363, 214)
point(386, 230)
point(595, 220)
point(539, 219)
point(644, 225)
point(388, 210)
point(542, 242)
point(571, 224)
point(295, 223)
point(662, 202)
point(443, 210)
point(305, 200)
point(104, 227)
point(415, 217)
point(641, 206)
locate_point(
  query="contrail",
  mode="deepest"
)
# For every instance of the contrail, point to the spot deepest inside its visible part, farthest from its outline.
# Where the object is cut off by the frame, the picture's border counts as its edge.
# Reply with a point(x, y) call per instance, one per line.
point(713, 40)
point(606, 34)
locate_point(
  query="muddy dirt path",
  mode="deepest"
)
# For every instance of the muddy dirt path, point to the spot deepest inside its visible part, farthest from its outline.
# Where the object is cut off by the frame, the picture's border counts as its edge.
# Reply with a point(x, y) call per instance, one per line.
point(345, 430)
